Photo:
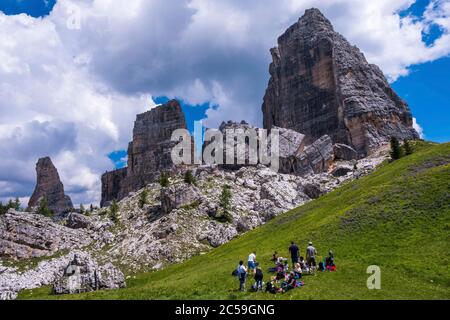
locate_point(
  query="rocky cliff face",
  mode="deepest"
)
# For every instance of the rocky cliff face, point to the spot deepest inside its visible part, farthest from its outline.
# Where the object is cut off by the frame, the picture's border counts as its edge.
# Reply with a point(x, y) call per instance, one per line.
point(148, 154)
point(322, 85)
point(50, 187)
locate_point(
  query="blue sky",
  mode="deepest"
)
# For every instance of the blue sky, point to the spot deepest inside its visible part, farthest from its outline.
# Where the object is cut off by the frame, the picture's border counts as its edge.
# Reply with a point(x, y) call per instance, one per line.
point(85, 86)
point(34, 8)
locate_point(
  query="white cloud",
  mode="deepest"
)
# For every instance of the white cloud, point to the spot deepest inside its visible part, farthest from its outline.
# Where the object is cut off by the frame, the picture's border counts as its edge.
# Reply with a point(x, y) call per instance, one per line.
point(418, 128)
point(74, 94)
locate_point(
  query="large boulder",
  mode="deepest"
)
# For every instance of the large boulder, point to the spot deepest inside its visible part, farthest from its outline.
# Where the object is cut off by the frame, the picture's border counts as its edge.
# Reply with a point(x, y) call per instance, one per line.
point(25, 236)
point(322, 85)
point(176, 197)
point(78, 221)
point(344, 152)
point(342, 170)
point(313, 190)
point(50, 187)
point(83, 274)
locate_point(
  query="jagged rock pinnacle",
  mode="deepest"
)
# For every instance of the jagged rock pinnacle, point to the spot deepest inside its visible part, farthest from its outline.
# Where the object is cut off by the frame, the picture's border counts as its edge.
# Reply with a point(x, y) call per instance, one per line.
point(50, 187)
point(322, 85)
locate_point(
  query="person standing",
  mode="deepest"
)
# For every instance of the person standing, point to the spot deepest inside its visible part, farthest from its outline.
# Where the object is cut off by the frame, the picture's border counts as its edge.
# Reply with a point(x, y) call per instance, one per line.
point(293, 250)
point(311, 254)
point(259, 277)
point(252, 261)
point(242, 275)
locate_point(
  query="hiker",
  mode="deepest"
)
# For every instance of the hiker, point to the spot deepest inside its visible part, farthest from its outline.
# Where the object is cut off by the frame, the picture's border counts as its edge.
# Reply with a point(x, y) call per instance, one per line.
point(259, 276)
point(329, 262)
point(304, 265)
point(293, 249)
point(291, 283)
point(311, 253)
point(271, 288)
point(298, 272)
point(242, 275)
point(252, 262)
point(321, 266)
point(274, 257)
point(285, 266)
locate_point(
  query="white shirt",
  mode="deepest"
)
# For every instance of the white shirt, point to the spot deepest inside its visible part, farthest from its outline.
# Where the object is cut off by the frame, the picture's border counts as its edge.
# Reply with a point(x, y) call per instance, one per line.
point(252, 257)
point(241, 269)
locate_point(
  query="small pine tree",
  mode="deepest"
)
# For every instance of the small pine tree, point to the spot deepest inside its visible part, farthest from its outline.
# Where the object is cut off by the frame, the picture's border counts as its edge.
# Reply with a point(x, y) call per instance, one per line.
point(17, 204)
point(113, 212)
point(44, 209)
point(143, 199)
point(2, 208)
point(396, 150)
point(225, 198)
point(82, 210)
point(91, 208)
point(164, 180)
point(189, 178)
point(408, 148)
point(10, 204)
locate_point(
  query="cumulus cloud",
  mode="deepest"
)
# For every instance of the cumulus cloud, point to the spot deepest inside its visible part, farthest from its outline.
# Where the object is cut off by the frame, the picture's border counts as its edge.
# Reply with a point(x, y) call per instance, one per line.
point(418, 128)
point(73, 93)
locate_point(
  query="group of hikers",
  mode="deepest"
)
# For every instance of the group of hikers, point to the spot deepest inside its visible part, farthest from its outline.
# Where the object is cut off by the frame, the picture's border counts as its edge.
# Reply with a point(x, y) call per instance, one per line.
point(283, 278)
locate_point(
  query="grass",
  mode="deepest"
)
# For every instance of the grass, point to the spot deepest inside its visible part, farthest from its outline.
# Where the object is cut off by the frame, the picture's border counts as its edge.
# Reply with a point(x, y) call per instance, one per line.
point(398, 218)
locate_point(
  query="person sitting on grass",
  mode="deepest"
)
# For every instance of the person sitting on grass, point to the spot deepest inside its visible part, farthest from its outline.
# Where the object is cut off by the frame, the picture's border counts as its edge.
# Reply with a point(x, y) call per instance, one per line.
point(242, 275)
point(280, 276)
point(259, 276)
point(329, 262)
point(304, 265)
point(298, 272)
point(291, 283)
point(271, 287)
point(274, 257)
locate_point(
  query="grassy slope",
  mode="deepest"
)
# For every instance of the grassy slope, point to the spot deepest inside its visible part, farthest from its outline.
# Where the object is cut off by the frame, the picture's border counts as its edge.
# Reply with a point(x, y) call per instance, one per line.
point(397, 218)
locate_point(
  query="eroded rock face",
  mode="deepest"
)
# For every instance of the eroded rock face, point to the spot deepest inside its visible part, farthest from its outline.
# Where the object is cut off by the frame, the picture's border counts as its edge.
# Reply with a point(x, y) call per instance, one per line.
point(111, 185)
point(148, 154)
point(239, 150)
point(50, 187)
point(25, 236)
point(315, 158)
point(322, 85)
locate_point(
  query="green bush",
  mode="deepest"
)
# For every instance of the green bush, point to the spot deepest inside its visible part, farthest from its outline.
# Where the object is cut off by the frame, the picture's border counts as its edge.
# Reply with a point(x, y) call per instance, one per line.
point(396, 149)
point(189, 178)
point(225, 204)
point(164, 179)
point(44, 209)
point(114, 212)
point(143, 199)
point(10, 205)
point(408, 148)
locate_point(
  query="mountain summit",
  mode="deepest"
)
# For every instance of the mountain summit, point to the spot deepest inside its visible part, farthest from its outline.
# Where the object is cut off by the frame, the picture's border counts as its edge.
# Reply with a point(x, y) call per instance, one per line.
point(321, 84)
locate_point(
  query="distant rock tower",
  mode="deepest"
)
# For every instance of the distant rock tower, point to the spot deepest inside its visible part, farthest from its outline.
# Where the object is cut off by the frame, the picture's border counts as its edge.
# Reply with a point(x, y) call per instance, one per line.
point(50, 187)
point(149, 153)
point(322, 85)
